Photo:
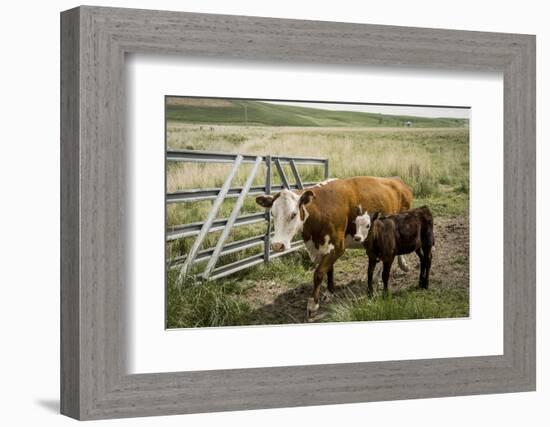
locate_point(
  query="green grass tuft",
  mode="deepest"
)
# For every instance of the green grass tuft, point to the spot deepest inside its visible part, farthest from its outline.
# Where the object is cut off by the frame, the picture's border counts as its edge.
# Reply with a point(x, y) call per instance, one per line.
point(206, 305)
point(409, 304)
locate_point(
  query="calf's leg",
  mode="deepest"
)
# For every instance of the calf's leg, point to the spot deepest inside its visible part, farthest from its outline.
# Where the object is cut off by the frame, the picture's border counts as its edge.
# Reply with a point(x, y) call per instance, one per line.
point(427, 266)
point(370, 272)
point(386, 275)
point(422, 267)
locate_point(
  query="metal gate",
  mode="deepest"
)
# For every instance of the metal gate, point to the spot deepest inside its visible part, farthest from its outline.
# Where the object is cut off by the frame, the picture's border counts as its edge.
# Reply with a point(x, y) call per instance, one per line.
point(274, 164)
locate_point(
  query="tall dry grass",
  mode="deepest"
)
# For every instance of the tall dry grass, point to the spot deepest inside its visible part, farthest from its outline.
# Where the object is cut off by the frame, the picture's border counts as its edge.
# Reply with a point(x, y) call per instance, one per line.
point(423, 158)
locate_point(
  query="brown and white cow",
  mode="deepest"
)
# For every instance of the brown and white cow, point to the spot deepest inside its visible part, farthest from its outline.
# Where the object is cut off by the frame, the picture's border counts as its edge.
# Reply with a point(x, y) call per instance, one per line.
point(324, 215)
point(386, 237)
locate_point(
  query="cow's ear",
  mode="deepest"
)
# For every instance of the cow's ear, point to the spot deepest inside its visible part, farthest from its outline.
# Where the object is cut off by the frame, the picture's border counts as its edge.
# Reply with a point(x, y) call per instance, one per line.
point(306, 197)
point(265, 201)
point(375, 216)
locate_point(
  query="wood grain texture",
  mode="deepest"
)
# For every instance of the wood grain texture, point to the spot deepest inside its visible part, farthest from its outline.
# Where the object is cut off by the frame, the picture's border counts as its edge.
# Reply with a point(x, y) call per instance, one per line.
point(94, 382)
point(70, 292)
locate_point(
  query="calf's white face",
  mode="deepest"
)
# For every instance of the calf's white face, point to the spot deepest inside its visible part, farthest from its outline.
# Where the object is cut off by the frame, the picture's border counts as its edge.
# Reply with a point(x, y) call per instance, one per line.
point(287, 220)
point(362, 226)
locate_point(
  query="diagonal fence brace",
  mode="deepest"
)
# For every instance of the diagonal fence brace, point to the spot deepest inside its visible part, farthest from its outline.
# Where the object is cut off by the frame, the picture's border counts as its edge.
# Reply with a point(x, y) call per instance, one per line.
point(296, 175)
point(210, 219)
point(236, 209)
point(281, 171)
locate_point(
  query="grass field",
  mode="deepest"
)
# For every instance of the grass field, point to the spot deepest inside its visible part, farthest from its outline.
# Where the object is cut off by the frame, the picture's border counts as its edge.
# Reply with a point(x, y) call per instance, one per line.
point(433, 160)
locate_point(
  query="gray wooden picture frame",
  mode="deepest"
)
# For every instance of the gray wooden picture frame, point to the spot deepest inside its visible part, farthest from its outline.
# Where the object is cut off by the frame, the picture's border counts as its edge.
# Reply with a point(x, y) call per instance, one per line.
point(94, 41)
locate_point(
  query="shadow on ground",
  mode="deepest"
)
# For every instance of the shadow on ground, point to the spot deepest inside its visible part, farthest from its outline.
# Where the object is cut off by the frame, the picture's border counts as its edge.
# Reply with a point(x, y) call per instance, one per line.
point(52, 405)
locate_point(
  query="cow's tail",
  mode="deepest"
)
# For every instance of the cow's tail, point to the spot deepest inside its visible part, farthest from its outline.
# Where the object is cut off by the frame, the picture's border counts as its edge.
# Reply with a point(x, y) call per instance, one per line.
point(402, 263)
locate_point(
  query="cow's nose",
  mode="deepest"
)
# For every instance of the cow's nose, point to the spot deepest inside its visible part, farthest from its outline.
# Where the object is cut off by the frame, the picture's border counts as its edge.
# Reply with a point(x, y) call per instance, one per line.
point(357, 238)
point(277, 246)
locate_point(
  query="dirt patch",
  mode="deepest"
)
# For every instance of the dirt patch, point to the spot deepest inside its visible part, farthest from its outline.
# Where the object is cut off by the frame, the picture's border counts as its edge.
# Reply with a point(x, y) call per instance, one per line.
point(274, 302)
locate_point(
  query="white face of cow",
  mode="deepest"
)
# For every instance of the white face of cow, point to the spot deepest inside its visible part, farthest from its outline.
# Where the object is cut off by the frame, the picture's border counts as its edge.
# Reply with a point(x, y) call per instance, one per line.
point(287, 220)
point(362, 226)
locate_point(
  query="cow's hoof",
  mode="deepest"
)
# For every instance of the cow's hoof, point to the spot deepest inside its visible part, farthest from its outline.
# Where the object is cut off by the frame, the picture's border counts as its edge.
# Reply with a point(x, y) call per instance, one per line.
point(327, 296)
point(310, 316)
point(311, 309)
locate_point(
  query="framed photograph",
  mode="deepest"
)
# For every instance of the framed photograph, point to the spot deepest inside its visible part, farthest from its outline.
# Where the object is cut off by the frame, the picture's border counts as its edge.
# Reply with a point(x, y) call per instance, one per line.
point(305, 165)
point(261, 213)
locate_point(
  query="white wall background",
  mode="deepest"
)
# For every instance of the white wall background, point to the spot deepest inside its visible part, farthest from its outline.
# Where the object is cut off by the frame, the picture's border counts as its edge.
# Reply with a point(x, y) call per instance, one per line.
point(29, 212)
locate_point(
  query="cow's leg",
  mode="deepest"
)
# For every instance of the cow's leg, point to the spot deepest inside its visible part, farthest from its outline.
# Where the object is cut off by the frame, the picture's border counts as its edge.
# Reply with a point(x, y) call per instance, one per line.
point(326, 264)
point(327, 296)
point(313, 300)
point(386, 274)
point(330, 280)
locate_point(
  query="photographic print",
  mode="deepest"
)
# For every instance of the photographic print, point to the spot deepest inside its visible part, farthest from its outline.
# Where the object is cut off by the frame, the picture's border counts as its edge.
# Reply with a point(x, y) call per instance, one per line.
point(289, 212)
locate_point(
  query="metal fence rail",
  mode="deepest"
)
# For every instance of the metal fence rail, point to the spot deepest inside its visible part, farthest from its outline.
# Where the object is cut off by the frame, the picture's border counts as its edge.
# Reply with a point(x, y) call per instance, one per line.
point(218, 195)
point(197, 156)
point(193, 228)
point(197, 194)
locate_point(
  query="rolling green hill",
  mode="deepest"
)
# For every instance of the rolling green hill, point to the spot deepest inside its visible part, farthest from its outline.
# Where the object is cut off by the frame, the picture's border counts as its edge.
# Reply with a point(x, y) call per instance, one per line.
point(240, 112)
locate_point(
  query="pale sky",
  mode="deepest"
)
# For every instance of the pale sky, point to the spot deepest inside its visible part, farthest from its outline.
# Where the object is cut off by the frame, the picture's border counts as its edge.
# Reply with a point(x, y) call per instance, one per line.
point(452, 112)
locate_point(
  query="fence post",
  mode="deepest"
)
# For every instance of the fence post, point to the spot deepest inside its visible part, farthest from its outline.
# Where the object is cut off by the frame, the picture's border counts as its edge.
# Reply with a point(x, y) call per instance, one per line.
point(211, 217)
point(267, 242)
point(326, 168)
point(225, 233)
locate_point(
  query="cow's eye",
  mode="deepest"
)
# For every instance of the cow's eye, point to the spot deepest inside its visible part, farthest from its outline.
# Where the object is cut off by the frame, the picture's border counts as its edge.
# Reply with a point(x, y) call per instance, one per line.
point(293, 215)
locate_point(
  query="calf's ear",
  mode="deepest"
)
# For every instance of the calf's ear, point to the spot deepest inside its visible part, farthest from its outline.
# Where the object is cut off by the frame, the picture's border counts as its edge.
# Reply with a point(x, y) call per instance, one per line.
point(375, 216)
point(265, 201)
point(306, 197)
